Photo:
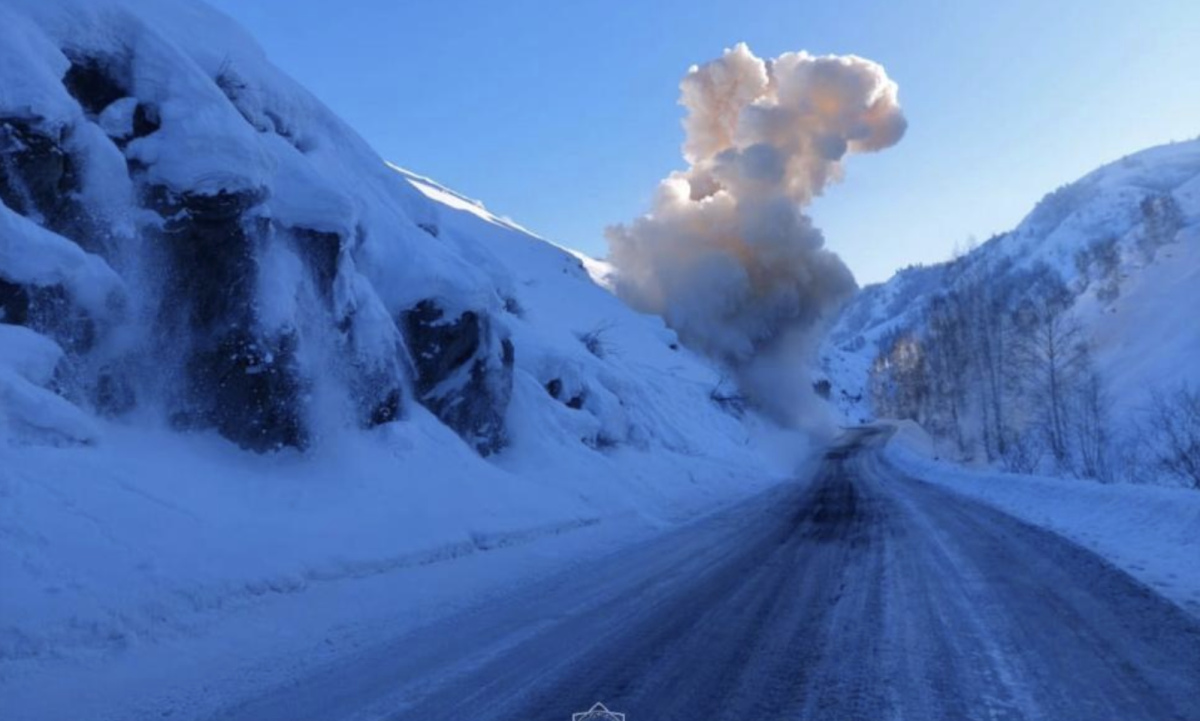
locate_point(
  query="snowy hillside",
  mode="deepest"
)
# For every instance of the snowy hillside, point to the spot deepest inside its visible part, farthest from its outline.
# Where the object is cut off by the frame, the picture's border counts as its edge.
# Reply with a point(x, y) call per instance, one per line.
point(243, 358)
point(1118, 251)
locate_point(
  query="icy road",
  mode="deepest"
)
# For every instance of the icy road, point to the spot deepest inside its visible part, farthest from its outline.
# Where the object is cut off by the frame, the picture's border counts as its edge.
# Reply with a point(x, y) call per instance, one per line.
point(854, 594)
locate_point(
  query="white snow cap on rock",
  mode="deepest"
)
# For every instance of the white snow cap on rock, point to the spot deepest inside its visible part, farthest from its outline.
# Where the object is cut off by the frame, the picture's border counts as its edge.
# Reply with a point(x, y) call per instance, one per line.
point(28, 410)
point(726, 255)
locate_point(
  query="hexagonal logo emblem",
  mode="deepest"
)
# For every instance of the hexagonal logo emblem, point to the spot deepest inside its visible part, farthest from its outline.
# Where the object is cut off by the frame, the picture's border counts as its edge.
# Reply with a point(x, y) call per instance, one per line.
point(598, 713)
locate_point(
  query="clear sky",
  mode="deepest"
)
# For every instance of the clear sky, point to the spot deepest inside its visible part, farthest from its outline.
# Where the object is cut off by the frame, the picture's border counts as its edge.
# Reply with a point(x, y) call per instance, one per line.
point(562, 113)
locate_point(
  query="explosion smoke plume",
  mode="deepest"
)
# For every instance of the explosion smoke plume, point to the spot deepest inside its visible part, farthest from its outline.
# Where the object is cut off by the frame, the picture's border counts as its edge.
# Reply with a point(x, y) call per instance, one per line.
point(726, 254)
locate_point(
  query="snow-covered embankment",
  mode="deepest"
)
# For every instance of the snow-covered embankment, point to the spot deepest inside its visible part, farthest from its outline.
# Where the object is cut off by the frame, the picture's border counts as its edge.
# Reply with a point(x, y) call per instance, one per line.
point(1150, 532)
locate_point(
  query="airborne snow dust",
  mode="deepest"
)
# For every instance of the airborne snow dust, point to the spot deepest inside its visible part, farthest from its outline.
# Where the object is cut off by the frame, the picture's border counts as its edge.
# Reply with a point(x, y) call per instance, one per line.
point(726, 254)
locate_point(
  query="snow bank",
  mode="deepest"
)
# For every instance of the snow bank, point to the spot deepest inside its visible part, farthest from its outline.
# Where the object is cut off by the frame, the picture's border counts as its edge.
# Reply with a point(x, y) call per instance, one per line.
point(163, 571)
point(1151, 533)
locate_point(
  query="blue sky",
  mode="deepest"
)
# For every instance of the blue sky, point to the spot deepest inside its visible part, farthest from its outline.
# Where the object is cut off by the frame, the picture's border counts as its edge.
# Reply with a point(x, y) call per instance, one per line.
point(562, 114)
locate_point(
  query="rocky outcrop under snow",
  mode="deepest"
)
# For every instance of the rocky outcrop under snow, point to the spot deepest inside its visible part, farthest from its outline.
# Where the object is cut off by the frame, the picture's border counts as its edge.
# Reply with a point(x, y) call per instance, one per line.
point(208, 245)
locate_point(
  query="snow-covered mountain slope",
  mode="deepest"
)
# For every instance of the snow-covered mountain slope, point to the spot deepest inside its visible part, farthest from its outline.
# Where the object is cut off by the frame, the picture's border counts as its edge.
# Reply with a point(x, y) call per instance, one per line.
point(1122, 245)
point(198, 261)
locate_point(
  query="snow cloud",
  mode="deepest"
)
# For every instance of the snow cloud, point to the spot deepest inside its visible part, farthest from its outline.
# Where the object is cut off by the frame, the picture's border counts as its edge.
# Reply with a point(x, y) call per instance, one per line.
point(726, 254)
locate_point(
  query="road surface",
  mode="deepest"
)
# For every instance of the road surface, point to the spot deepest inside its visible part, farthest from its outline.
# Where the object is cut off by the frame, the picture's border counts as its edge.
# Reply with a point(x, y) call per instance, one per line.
point(855, 594)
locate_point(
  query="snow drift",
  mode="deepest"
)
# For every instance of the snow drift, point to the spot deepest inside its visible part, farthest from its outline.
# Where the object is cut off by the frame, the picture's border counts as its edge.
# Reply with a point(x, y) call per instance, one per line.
point(726, 254)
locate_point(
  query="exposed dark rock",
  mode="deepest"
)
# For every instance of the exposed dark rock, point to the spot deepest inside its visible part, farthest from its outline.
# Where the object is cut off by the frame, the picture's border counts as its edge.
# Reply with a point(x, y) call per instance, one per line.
point(145, 120)
point(463, 372)
point(14, 303)
point(387, 409)
point(49, 311)
point(211, 256)
point(555, 388)
point(39, 179)
point(94, 83)
point(440, 346)
point(513, 307)
point(36, 174)
point(244, 382)
point(320, 252)
point(253, 392)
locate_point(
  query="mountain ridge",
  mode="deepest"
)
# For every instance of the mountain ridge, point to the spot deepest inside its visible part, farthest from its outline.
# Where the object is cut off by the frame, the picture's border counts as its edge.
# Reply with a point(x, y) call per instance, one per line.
point(1117, 249)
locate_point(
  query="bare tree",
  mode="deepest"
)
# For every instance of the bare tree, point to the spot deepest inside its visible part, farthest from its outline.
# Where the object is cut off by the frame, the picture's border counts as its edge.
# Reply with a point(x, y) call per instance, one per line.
point(999, 364)
point(1023, 454)
point(949, 365)
point(1052, 356)
point(900, 377)
point(953, 376)
point(1091, 429)
point(1171, 431)
point(992, 343)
